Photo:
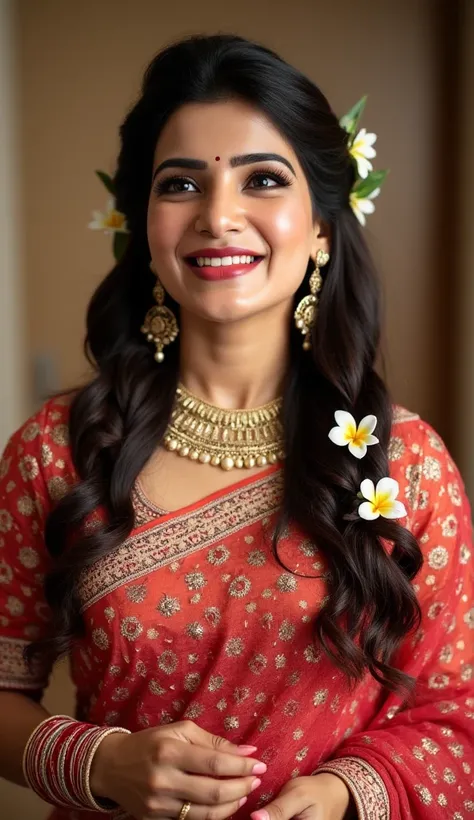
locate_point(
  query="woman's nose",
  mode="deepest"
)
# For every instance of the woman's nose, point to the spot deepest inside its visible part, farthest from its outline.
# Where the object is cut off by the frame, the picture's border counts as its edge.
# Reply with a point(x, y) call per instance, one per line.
point(220, 211)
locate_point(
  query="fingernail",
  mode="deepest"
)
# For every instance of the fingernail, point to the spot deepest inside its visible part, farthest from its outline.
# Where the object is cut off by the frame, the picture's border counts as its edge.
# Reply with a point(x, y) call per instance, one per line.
point(259, 768)
point(246, 750)
point(242, 801)
point(261, 814)
point(255, 784)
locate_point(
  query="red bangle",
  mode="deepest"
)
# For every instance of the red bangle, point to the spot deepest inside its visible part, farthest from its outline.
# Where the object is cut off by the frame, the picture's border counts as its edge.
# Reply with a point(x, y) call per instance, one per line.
point(57, 761)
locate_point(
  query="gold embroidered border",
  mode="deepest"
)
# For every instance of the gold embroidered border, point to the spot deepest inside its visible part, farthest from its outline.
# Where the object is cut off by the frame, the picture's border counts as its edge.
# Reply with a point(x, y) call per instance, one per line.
point(365, 784)
point(180, 536)
point(145, 511)
point(14, 672)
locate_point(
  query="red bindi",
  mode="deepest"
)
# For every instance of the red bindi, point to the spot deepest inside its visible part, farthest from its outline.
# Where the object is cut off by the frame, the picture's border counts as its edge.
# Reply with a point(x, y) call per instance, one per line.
point(217, 159)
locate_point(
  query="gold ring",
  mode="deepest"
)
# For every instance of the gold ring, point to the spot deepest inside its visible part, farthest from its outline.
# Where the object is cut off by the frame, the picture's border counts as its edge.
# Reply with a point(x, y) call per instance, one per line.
point(184, 811)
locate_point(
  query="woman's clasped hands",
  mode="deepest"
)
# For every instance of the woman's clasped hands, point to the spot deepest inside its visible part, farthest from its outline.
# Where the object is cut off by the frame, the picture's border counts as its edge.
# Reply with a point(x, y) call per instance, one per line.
point(152, 773)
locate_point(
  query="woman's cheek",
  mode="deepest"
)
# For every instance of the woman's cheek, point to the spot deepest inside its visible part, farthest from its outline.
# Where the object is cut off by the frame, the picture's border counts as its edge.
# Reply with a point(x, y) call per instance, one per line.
point(163, 230)
point(289, 225)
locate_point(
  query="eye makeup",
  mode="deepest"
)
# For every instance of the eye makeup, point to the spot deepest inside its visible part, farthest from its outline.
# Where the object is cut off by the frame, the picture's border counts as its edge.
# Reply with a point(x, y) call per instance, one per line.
point(279, 176)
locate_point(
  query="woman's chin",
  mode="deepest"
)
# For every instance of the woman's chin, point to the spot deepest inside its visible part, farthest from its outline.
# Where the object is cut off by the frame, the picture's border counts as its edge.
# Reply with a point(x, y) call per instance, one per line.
point(224, 309)
point(225, 315)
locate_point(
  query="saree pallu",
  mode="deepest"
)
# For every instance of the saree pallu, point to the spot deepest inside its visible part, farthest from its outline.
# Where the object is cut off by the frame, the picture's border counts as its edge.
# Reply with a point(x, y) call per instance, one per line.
point(193, 617)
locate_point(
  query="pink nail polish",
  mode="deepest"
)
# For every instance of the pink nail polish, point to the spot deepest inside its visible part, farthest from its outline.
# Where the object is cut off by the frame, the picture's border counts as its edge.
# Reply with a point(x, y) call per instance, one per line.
point(259, 768)
point(255, 784)
point(261, 814)
point(242, 802)
point(247, 749)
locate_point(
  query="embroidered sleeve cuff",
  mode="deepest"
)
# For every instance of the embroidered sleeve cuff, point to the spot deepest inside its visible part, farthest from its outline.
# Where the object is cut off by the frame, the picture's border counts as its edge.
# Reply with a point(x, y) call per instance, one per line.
point(365, 784)
point(14, 672)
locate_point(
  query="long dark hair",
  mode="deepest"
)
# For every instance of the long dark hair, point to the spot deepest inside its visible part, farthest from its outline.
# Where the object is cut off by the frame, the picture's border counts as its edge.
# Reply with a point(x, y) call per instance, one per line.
point(120, 417)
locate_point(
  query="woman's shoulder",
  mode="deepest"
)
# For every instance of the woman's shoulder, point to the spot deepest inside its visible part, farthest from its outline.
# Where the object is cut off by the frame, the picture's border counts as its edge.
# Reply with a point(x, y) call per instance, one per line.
point(39, 451)
point(51, 415)
point(421, 462)
point(415, 443)
point(433, 491)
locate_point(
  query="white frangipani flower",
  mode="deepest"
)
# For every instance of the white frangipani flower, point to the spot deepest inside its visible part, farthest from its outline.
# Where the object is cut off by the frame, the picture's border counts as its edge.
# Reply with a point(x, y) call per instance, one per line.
point(357, 437)
point(112, 221)
point(362, 151)
point(380, 500)
point(363, 205)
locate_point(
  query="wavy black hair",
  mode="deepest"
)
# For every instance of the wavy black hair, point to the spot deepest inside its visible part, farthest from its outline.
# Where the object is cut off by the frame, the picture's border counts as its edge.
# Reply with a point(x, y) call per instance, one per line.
point(119, 418)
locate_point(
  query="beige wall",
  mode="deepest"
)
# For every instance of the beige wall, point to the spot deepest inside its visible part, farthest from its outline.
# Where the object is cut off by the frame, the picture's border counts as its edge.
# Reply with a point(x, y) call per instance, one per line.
point(80, 69)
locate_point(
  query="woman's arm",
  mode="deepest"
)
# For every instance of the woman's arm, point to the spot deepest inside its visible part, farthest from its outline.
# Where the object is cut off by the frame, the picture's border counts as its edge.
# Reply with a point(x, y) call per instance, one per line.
point(19, 716)
point(26, 479)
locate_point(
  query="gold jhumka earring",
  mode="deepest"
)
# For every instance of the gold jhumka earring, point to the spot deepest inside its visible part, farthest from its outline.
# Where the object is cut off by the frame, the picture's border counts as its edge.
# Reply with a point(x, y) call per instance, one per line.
point(160, 325)
point(305, 313)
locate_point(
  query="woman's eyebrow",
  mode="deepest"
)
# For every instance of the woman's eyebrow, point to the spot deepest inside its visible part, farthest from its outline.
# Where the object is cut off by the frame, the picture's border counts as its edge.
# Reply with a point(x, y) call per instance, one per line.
point(181, 162)
point(248, 159)
point(235, 162)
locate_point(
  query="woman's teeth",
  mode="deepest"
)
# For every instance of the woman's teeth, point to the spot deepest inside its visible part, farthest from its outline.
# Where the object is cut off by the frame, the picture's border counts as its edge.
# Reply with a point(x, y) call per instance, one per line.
point(218, 261)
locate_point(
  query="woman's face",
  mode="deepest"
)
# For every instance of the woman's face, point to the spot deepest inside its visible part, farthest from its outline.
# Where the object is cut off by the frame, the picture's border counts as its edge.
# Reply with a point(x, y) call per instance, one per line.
point(226, 187)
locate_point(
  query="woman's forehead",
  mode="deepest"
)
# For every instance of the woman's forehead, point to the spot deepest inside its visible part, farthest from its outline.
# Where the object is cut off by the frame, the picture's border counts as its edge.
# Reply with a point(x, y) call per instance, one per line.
point(223, 129)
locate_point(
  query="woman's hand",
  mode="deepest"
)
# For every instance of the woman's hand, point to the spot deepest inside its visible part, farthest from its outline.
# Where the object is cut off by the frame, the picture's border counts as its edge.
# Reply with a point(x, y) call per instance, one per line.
point(319, 797)
point(152, 773)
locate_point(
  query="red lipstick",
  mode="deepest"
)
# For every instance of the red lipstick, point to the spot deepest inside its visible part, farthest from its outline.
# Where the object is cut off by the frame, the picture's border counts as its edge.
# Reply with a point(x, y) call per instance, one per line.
point(232, 262)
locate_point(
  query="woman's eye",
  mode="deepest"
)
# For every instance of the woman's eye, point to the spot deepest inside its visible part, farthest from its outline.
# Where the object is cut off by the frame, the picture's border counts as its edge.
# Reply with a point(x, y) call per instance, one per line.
point(262, 181)
point(267, 180)
point(175, 185)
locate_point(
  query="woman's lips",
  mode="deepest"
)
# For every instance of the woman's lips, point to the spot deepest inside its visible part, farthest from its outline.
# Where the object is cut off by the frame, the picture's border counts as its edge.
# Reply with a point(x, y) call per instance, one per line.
point(217, 271)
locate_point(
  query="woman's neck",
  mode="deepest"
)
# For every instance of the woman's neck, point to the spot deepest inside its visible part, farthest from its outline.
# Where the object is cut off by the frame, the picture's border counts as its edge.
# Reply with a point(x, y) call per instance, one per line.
point(235, 364)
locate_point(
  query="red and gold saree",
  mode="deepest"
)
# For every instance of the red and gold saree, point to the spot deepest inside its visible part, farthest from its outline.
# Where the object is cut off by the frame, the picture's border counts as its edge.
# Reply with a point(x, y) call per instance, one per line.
point(192, 617)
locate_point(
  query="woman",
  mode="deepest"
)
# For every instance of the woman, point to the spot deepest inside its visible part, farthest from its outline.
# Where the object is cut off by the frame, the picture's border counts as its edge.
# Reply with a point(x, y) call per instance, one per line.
point(261, 642)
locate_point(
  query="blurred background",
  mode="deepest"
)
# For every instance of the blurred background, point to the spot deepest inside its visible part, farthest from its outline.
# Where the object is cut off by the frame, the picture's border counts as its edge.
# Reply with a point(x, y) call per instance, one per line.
point(69, 72)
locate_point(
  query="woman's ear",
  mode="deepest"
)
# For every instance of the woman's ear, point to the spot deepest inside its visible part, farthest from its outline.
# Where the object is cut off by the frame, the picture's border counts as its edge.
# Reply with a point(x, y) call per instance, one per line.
point(321, 239)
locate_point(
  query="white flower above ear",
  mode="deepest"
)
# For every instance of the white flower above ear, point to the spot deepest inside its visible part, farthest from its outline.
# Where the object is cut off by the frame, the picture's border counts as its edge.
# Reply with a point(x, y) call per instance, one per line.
point(380, 500)
point(362, 151)
point(347, 433)
point(112, 221)
point(362, 205)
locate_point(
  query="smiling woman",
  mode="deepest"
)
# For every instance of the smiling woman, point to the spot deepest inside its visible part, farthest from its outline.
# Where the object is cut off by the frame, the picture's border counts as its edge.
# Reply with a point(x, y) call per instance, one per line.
point(293, 626)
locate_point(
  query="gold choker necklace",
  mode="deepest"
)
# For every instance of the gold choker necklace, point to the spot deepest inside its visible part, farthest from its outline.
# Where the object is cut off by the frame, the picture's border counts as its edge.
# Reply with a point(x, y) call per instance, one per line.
point(225, 438)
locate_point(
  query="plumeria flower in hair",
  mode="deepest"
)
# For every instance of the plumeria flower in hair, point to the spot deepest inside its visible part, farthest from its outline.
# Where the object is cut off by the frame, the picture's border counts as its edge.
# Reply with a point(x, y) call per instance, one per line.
point(362, 151)
point(112, 221)
point(360, 146)
point(356, 436)
point(380, 500)
point(362, 205)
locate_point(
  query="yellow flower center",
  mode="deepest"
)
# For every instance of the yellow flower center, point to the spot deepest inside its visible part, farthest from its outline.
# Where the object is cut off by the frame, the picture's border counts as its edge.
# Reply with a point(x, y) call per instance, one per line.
point(382, 503)
point(114, 219)
point(358, 438)
point(357, 149)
